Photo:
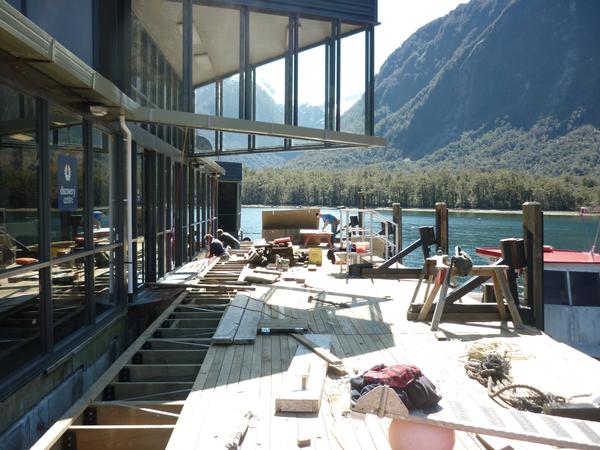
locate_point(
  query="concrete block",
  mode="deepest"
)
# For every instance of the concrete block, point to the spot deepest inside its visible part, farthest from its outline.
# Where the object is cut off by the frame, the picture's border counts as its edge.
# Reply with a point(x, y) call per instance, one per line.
point(17, 437)
point(65, 395)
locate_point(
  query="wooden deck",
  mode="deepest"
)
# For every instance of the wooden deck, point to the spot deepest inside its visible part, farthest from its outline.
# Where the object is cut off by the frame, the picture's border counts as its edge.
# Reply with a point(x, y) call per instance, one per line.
point(236, 379)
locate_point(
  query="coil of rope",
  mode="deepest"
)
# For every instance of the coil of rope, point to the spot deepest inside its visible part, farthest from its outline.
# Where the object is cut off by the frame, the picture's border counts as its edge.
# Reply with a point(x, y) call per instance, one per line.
point(489, 364)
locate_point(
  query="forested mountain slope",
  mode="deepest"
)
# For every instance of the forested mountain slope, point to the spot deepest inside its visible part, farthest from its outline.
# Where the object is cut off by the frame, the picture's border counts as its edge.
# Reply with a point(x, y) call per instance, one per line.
point(495, 84)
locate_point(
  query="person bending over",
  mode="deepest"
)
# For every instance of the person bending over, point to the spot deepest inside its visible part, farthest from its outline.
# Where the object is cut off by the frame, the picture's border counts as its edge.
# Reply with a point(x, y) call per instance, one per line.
point(215, 246)
point(228, 239)
point(330, 219)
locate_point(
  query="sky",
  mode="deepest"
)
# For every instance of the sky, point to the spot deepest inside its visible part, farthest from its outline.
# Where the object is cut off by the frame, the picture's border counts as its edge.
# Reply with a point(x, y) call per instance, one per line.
point(398, 20)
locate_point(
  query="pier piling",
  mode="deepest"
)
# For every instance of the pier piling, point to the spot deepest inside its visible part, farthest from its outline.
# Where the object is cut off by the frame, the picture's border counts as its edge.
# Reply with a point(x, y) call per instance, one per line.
point(533, 233)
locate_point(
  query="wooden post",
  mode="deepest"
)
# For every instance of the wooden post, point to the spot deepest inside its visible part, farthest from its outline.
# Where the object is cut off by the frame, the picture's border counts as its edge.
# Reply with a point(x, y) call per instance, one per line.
point(397, 219)
point(533, 233)
point(513, 255)
point(361, 205)
point(441, 226)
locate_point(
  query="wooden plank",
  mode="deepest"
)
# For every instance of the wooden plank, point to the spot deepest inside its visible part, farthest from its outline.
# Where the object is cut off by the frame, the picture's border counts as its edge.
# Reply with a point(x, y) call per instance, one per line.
point(335, 363)
point(510, 301)
point(122, 437)
point(305, 364)
point(146, 390)
point(161, 372)
point(230, 321)
point(128, 413)
point(246, 332)
point(55, 432)
point(499, 296)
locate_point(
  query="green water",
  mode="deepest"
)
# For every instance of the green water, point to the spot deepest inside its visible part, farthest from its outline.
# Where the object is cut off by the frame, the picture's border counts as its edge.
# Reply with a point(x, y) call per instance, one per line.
point(472, 229)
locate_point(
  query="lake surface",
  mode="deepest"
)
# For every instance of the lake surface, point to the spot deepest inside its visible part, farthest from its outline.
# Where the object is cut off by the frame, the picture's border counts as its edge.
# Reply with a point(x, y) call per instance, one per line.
point(469, 229)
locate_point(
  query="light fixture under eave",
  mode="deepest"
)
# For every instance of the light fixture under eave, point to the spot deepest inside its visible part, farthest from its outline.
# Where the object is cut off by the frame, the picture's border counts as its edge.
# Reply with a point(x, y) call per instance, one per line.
point(98, 110)
point(21, 137)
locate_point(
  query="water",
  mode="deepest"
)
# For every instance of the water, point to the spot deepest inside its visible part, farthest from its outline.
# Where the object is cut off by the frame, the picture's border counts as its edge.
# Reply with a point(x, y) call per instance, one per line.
point(469, 229)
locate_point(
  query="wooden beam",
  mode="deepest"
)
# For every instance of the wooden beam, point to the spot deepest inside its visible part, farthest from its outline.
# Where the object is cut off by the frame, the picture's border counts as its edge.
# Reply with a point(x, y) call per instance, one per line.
point(441, 226)
point(335, 364)
point(146, 390)
point(533, 233)
point(121, 437)
point(159, 372)
point(172, 356)
point(128, 413)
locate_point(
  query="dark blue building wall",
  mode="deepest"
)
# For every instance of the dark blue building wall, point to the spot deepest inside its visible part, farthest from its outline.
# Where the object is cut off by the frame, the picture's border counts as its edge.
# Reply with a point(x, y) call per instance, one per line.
point(360, 11)
point(70, 22)
point(17, 4)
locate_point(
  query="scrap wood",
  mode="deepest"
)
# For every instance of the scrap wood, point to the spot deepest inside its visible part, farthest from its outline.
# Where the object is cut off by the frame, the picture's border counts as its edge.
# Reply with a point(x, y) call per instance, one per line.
point(219, 287)
point(238, 437)
point(336, 365)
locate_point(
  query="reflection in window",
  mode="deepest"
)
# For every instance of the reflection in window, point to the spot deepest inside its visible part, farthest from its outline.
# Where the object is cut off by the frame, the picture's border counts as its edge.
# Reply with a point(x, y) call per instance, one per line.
point(585, 288)
point(67, 194)
point(103, 227)
point(68, 298)
point(20, 340)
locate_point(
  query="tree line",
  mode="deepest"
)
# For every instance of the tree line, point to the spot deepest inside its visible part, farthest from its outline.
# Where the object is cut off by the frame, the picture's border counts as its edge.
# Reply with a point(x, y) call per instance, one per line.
point(468, 189)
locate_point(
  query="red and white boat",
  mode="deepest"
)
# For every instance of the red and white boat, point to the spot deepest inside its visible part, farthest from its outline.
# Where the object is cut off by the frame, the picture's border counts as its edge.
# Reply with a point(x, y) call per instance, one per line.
point(571, 296)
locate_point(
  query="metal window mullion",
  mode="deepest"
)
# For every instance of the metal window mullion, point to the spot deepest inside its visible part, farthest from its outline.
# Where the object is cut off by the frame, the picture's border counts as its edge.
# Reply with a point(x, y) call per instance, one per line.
point(132, 263)
point(190, 206)
point(188, 56)
point(338, 75)
point(149, 179)
point(88, 214)
point(243, 62)
point(45, 279)
point(177, 206)
point(295, 74)
point(370, 81)
point(160, 186)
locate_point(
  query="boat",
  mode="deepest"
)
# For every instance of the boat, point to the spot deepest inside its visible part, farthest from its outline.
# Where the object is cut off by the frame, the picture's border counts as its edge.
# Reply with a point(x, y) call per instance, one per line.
point(571, 296)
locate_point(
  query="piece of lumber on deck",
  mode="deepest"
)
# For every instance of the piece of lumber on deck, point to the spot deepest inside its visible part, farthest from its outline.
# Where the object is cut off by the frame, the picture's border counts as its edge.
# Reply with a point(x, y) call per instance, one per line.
point(230, 321)
point(246, 332)
point(305, 363)
point(335, 363)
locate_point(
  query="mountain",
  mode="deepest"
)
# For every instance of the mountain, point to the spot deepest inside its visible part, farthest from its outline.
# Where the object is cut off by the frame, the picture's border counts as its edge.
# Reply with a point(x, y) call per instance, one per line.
point(494, 84)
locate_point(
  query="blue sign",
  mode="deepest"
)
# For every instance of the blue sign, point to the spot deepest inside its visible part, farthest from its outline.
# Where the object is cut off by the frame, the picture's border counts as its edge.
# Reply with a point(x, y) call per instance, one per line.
point(66, 167)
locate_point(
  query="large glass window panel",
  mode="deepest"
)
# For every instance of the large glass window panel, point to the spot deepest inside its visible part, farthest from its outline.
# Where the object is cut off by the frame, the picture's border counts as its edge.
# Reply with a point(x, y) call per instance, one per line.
point(68, 298)
point(352, 101)
point(270, 98)
point(311, 74)
point(105, 282)
point(67, 194)
point(104, 201)
point(231, 108)
point(19, 163)
point(585, 288)
point(204, 103)
point(19, 220)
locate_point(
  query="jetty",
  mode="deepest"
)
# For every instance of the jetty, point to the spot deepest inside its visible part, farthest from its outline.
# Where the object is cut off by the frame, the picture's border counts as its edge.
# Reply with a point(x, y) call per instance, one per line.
point(267, 364)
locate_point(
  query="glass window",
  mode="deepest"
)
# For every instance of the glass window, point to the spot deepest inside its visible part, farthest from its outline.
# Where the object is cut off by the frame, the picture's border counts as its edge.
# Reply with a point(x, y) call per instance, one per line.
point(19, 238)
point(67, 194)
point(353, 84)
point(68, 298)
point(555, 288)
point(585, 288)
point(103, 189)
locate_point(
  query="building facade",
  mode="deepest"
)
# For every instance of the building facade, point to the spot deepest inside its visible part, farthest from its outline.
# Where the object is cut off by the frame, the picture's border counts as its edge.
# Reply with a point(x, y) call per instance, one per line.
point(109, 113)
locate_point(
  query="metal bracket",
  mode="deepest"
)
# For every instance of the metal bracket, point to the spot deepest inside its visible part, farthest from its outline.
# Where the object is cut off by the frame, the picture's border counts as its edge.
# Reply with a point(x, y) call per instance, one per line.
point(69, 440)
point(108, 394)
point(137, 359)
point(90, 416)
point(124, 375)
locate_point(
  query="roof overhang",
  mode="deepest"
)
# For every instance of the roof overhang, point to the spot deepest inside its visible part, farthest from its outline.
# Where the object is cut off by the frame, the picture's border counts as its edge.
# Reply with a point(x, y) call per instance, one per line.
point(60, 75)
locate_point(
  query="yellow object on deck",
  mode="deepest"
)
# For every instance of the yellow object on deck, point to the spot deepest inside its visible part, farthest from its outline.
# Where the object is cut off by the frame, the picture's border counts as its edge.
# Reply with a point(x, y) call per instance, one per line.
point(315, 256)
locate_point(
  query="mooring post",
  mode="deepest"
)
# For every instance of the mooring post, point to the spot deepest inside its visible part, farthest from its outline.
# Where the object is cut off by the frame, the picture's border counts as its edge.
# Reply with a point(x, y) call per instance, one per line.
point(397, 219)
point(533, 233)
point(361, 205)
point(441, 226)
point(513, 255)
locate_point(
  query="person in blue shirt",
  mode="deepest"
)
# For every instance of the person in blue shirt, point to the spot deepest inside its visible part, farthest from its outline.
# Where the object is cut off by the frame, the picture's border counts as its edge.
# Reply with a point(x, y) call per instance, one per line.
point(330, 219)
point(215, 246)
